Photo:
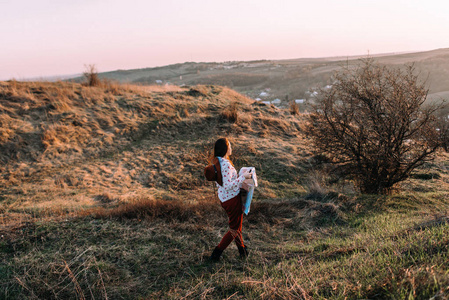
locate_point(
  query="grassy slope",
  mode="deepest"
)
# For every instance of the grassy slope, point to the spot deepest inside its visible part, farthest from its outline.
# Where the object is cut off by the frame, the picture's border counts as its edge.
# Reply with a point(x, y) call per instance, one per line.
point(119, 218)
point(114, 144)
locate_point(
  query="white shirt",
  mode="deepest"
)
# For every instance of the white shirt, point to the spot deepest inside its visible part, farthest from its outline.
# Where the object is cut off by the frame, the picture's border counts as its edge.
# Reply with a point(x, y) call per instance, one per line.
point(231, 181)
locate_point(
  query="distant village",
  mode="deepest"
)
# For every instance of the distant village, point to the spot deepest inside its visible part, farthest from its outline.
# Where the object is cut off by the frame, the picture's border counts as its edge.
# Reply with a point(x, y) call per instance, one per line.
point(266, 95)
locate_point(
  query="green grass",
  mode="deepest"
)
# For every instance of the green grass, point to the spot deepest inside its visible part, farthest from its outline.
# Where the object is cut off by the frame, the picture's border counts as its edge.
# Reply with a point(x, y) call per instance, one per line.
point(389, 249)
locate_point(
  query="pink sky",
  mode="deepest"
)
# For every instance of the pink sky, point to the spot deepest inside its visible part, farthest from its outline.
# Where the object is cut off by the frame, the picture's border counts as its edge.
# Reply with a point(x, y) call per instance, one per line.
point(54, 37)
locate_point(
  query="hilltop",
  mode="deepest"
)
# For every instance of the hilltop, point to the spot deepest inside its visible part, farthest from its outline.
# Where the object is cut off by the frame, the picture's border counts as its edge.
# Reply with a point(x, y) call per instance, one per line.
point(77, 146)
point(102, 196)
point(285, 80)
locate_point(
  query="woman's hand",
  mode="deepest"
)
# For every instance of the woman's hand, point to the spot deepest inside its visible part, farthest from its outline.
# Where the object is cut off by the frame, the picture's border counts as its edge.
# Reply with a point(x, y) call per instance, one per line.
point(245, 186)
point(247, 175)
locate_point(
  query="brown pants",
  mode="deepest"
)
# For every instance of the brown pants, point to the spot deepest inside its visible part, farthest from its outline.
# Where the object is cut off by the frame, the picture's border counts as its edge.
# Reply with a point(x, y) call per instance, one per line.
point(233, 208)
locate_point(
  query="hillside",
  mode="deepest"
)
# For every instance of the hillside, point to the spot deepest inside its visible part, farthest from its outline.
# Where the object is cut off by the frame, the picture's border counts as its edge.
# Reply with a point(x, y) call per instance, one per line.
point(127, 142)
point(284, 79)
point(102, 196)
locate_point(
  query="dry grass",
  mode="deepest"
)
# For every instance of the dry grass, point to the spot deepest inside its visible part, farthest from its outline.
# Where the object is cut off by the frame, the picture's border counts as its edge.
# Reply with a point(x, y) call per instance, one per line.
point(317, 186)
point(151, 209)
point(299, 249)
point(294, 108)
point(230, 113)
point(156, 88)
point(105, 198)
point(69, 144)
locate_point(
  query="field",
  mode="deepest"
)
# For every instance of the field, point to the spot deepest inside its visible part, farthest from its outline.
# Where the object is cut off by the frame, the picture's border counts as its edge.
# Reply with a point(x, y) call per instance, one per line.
point(102, 196)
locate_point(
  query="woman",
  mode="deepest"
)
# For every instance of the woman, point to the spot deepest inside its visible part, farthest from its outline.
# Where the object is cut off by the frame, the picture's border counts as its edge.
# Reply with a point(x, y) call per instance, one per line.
point(231, 200)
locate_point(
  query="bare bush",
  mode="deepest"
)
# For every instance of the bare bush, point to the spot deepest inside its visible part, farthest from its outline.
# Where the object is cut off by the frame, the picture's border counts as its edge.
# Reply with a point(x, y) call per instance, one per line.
point(373, 125)
point(91, 76)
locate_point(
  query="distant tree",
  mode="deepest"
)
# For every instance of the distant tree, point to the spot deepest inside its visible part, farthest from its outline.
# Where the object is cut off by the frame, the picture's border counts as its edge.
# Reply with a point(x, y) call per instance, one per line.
point(91, 76)
point(373, 124)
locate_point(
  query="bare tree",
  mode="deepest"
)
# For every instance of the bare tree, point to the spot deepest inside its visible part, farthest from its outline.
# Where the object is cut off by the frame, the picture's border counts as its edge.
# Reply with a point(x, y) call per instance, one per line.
point(372, 123)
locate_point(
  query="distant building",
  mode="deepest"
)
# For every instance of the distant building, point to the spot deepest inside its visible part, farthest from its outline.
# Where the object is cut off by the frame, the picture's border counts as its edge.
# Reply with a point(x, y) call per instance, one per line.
point(266, 102)
point(257, 99)
point(159, 81)
point(300, 101)
point(263, 94)
point(276, 101)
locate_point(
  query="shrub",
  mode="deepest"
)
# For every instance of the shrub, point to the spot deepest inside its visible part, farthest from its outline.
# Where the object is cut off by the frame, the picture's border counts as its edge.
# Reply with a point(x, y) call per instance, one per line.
point(373, 125)
point(91, 76)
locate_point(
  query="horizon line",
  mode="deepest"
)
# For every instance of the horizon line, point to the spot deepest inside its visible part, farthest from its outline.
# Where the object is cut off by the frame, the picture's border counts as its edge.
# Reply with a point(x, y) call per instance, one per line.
point(75, 75)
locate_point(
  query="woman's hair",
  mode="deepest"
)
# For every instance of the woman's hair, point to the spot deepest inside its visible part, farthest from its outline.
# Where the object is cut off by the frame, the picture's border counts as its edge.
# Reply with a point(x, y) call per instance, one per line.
point(221, 147)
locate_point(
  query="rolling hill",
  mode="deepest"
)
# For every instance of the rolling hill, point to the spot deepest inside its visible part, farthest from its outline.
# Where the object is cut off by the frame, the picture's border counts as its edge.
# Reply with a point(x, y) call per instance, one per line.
point(130, 141)
point(284, 79)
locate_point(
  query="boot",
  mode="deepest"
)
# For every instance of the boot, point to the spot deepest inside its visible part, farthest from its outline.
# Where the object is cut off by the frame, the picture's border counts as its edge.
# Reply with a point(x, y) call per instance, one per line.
point(243, 251)
point(216, 254)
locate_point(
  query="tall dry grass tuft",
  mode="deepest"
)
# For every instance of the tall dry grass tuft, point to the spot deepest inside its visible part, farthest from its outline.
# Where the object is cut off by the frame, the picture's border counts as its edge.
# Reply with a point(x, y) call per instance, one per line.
point(202, 211)
point(60, 97)
point(113, 87)
point(209, 212)
point(294, 108)
point(231, 113)
point(316, 186)
point(198, 91)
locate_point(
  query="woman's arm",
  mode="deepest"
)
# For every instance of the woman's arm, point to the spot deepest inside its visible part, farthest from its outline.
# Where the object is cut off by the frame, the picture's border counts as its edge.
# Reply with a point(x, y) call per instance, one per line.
point(227, 170)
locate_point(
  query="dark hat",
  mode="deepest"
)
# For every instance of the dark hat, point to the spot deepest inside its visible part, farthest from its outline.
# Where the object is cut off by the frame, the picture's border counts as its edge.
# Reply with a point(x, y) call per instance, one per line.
point(213, 172)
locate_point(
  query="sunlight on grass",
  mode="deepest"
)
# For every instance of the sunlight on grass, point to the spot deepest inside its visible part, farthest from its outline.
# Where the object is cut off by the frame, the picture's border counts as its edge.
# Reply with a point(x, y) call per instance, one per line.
point(107, 200)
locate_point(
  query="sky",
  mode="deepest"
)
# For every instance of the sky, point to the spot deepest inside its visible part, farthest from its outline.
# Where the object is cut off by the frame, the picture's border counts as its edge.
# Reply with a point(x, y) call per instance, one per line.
point(59, 37)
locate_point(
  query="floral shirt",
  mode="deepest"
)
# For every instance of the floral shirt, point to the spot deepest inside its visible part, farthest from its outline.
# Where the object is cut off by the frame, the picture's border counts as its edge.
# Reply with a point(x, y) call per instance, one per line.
point(231, 181)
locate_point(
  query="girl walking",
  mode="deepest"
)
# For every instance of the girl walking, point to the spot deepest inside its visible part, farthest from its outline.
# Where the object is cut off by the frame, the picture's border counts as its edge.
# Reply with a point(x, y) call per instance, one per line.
point(229, 185)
